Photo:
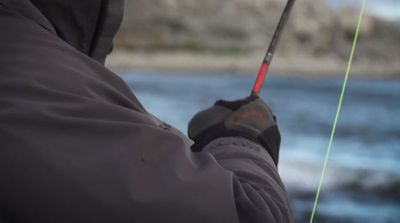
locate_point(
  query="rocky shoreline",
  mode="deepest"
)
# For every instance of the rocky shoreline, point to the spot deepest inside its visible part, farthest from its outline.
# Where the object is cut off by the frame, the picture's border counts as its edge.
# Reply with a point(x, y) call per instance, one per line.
point(230, 36)
point(245, 64)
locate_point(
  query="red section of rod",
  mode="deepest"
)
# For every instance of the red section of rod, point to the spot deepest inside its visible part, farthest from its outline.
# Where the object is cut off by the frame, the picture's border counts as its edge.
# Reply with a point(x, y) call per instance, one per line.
point(271, 48)
point(260, 79)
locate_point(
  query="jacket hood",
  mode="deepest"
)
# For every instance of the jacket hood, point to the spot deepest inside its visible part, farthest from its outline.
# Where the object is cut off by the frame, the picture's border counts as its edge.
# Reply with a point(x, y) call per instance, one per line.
point(87, 25)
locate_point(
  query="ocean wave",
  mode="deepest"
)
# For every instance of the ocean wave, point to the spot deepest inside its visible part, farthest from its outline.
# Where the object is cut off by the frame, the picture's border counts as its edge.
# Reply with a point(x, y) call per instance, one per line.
point(302, 178)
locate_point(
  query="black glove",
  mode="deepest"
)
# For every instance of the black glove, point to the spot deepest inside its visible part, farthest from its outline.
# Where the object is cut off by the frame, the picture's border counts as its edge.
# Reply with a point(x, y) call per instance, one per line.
point(250, 118)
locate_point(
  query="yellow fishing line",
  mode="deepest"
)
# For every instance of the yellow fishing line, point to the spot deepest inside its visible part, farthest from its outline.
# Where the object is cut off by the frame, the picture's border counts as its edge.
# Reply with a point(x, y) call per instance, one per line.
point(328, 151)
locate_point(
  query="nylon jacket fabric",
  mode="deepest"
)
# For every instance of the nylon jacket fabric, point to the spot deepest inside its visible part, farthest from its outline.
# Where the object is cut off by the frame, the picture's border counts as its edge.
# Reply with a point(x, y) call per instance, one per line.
point(77, 146)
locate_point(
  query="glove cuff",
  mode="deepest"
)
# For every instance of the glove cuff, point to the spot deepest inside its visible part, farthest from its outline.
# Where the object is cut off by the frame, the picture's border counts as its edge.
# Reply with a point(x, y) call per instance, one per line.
point(206, 137)
point(270, 139)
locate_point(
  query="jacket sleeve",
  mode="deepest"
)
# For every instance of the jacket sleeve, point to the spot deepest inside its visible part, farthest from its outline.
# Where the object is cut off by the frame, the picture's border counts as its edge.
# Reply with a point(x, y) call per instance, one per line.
point(60, 165)
point(259, 193)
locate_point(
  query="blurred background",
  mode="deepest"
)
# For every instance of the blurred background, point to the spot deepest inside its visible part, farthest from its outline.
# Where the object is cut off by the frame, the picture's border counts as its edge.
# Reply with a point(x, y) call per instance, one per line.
point(178, 57)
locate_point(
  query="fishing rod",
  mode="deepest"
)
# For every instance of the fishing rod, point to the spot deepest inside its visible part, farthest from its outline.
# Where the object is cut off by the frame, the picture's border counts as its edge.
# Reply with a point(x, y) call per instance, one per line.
point(271, 49)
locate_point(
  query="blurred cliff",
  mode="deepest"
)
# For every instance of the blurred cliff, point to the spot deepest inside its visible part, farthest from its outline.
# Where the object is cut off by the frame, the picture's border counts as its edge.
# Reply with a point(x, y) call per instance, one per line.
point(231, 35)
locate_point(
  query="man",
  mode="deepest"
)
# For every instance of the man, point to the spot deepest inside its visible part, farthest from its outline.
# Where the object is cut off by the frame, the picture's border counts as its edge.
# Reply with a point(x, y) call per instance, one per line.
point(77, 145)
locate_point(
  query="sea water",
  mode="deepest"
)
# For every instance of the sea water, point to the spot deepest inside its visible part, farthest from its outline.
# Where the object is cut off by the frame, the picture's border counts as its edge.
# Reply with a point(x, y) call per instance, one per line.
point(362, 183)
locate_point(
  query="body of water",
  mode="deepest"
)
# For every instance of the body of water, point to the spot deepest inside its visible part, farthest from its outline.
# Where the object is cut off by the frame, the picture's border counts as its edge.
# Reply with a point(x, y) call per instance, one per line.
point(363, 178)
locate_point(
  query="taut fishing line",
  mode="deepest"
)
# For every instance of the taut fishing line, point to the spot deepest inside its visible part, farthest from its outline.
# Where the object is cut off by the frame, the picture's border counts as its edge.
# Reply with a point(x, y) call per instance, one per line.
point(328, 151)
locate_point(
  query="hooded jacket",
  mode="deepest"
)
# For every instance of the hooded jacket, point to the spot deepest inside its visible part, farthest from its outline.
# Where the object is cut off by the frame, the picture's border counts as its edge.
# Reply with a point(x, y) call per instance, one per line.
point(77, 146)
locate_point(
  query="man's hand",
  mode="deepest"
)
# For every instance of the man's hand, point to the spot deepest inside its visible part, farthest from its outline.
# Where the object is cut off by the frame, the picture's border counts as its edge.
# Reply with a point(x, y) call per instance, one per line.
point(250, 118)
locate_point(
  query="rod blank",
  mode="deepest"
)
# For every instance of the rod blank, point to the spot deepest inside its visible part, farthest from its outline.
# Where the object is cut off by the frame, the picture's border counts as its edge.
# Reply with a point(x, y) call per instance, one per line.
point(271, 49)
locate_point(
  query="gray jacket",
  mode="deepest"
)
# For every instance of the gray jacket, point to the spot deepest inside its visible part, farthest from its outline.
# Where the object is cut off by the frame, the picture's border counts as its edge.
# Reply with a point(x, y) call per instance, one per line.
point(77, 146)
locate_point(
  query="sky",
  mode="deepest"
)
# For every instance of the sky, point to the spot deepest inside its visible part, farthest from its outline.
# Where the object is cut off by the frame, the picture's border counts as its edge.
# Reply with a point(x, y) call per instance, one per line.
point(387, 9)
